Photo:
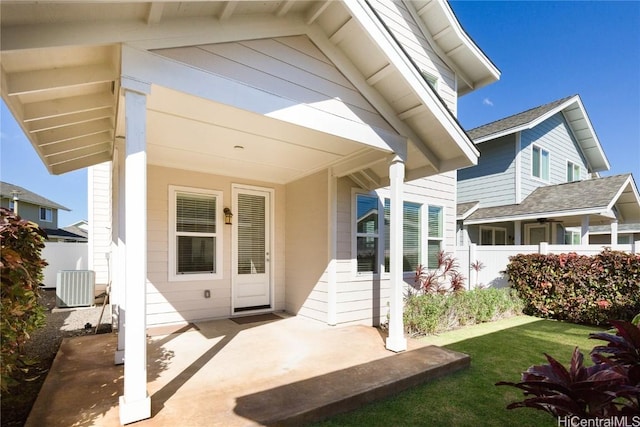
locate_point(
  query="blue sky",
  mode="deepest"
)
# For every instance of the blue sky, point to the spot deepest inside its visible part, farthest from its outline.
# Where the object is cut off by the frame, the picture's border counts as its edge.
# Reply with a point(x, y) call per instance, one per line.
point(545, 51)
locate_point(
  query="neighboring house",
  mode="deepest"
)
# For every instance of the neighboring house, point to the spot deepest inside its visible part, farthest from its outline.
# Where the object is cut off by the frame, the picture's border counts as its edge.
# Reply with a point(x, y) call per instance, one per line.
point(627, 234)
point(537, 180)
point(249, 157)
point(38, 209)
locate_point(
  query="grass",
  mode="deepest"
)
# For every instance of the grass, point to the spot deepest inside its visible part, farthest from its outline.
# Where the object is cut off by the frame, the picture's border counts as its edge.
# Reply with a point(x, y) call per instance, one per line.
point(499, 351)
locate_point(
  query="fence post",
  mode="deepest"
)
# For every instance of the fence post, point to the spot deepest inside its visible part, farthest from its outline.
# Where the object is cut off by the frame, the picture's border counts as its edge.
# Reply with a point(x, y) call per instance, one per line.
point(543, 248)
point(472, 273)
point(635, 247)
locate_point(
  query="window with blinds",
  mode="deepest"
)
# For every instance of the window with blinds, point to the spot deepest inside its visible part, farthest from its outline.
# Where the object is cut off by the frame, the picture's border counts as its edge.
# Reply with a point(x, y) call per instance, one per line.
point(251, 234)
point(367, 233)
point(435, 235)
point(194, 241)
point(411, 235)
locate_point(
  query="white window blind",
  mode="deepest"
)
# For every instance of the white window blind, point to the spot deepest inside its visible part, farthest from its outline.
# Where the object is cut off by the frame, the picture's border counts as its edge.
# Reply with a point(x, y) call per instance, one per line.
point(411, 230)
point(195, 233)
point(251, 234)
point(367, 233)
point(435, 236)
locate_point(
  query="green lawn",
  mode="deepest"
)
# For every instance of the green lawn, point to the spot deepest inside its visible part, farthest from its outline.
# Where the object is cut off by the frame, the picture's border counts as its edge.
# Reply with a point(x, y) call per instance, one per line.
point(499, 351)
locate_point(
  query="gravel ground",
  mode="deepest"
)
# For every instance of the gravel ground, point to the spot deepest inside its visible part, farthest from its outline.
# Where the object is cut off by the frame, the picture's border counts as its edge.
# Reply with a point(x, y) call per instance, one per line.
point(43, 346)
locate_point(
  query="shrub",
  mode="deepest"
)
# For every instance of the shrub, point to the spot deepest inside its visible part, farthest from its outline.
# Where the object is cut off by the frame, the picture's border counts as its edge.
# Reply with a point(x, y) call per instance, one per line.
point(578, 288)
point(432, 313)
point(21, 273)
point(610, 388)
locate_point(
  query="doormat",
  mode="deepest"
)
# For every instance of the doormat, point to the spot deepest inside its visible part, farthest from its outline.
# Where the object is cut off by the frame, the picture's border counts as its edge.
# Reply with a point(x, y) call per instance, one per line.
point(268, 317)
point(171, 329)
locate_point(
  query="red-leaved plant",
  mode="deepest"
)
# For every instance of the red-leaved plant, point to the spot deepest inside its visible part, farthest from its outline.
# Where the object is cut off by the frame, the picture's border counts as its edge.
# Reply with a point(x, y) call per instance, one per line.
point(609, 388)
point(445, 278)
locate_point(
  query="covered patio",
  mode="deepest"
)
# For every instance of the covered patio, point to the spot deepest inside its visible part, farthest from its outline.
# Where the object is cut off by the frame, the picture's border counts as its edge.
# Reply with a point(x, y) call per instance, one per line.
point(277, 370)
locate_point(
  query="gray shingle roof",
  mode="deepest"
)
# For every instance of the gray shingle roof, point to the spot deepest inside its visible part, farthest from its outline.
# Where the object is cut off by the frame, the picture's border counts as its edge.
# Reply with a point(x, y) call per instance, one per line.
point(515, 120)
point(463, 208)
point(25, 195)
point(571, 196)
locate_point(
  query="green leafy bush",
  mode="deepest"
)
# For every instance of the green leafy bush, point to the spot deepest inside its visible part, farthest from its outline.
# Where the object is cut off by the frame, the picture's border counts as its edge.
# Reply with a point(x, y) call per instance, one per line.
point(432, 313)
point(578, 288)
point(21, 274)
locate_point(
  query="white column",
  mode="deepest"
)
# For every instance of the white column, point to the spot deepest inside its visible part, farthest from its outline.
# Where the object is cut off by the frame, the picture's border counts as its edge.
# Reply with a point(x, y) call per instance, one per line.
point(332, 286)
point(396, 340)
point(614, 232)
point(135, 404)
point(584, 234)
point(517, 232)
point(121, 261)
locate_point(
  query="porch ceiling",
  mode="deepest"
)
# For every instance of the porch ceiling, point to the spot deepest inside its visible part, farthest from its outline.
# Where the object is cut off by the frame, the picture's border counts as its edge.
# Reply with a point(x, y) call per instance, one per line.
point(61, 68)
point(188, 132)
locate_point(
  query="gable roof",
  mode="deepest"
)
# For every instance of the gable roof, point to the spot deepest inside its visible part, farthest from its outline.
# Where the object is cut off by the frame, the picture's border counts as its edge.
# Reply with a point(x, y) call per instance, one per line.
point(576, 116)
point(596, 196)
point(7, 190)
point(464, 210)
point(64, 86)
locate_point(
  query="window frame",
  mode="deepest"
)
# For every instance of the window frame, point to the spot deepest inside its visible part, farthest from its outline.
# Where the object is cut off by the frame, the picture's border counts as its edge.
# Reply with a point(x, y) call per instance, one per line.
point(573, 234)
point(571, 170)
point(493, 235)
point(431, 79)
point(425, 238)
point(173, 275)
point(541, 150)
point(46, 211)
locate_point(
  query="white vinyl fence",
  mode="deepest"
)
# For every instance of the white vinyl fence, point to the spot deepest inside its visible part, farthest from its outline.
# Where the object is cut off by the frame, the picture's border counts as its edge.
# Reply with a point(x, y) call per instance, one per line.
point(63, 256)
point(496, 258)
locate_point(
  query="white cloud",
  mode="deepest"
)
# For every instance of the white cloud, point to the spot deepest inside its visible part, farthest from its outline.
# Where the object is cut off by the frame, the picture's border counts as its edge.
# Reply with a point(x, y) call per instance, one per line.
point(488, 102)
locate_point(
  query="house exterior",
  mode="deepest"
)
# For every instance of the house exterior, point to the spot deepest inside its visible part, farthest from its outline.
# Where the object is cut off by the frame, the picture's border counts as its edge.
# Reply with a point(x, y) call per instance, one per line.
point(627, 234)
point(38, 209)
point(538, 180)
point(248, 157)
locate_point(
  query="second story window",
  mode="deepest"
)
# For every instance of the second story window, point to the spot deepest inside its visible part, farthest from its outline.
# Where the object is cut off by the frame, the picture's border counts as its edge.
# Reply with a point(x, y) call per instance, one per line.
point(431, 79)
point(540, 163)
point(573, 172)
point(46, 214)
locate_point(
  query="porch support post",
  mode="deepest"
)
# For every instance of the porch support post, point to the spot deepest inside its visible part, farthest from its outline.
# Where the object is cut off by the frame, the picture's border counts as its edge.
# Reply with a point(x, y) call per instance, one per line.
point(135, 404)
point(332, 286)
point(614, 232)
point(584, 232)
point(120, 279)
point(396, 340)
point(517, 232)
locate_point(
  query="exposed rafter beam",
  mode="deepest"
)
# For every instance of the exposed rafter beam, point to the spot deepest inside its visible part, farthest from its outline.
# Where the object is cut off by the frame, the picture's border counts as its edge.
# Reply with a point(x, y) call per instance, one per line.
point(63, 106)
point(155, 13)
point(316, 11)
point(74, 131)
point(424, 9)
point(42, 80)
point(71, 119)
point(455, 49)
point(284, 7)
point(358, 162)
point(342, 32)
point(380, 74)
point(227, 10)
point(442, 32)
point(72, 144)
point(93, 159)
point(84, 151)
point(412, 111)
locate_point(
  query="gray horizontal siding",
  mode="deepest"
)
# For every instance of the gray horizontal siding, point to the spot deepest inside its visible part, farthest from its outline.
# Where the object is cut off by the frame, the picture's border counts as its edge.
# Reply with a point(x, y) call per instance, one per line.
point(492, 181)
point(554, 136)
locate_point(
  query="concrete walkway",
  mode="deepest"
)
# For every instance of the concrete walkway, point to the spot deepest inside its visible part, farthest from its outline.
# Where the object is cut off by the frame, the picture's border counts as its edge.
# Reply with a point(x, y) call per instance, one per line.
point(280, 372)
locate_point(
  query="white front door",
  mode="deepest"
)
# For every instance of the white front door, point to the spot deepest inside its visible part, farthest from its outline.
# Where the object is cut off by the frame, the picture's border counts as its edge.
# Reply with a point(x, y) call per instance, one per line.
point(251, 259)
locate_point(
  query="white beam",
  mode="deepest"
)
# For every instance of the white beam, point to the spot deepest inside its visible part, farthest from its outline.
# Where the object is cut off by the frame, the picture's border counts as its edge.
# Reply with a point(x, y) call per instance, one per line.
point(71, 119)
point(342, 32)
point(80, 153)
point(135, 403)
point(83, 162)
point(424, 9)
point(155, 13)
point(396, 341)
point(358, 162)
point(63, 106)
point(43, 80)
point(74, 131)
point(284, 7)
point(332, 268)
point(420, 108)
point(316, 11)
point(584, 230)
point(227, 10)
point(380, 74)
point(614, 233)
point(73, 144)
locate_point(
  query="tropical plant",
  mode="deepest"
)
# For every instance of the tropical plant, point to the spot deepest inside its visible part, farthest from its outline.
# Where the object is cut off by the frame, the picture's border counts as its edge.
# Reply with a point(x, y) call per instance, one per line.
point(21, 273)
point(609, 388)
point(442, 279)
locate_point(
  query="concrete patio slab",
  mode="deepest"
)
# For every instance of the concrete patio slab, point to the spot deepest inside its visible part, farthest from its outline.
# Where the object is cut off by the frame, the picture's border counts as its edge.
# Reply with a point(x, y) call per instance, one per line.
point(279, 372)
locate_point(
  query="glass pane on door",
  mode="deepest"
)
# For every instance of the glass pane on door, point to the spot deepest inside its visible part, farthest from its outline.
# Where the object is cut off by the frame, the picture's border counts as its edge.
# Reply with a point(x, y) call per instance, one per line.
point(251, 234)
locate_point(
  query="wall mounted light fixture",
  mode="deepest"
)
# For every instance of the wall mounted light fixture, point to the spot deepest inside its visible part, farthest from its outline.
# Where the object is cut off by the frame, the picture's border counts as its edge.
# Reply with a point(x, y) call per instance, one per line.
point(227, 216)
